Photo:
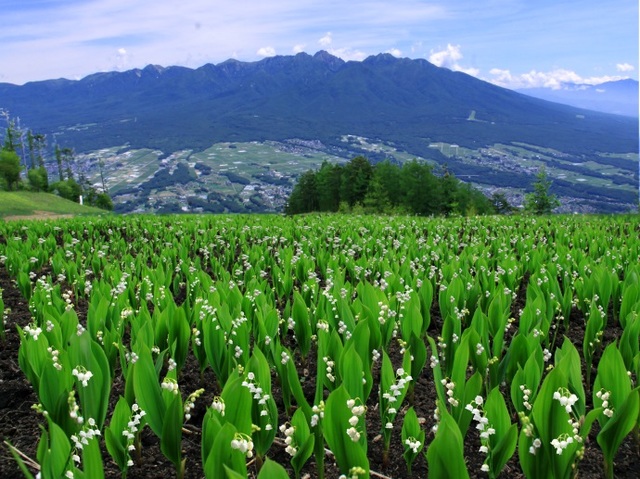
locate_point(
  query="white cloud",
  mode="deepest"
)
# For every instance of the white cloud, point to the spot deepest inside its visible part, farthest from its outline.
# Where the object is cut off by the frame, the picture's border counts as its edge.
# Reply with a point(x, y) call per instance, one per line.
point(326, 40)
point(122, 59)
point(447, 58)
point(556, 79)
point(395, 52)
point(474, 72)
point(348, 54)
point(299, 48)
point(266, 52)
point(450, 58)
point(624, 67)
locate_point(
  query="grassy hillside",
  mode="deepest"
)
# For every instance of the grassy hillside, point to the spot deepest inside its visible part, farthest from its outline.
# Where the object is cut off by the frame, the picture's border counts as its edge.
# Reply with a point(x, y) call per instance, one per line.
point(25, 203)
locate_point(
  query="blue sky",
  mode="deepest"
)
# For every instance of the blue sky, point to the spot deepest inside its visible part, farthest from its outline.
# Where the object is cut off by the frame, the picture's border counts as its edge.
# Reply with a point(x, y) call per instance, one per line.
point(513, 43)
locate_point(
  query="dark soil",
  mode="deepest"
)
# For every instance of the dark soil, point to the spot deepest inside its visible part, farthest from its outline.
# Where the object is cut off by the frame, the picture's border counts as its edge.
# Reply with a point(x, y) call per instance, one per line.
point(20, 424)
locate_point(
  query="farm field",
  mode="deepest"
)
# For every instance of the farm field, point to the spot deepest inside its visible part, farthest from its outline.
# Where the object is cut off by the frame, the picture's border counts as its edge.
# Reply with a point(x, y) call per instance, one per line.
point(315, 346)
point(258, 176)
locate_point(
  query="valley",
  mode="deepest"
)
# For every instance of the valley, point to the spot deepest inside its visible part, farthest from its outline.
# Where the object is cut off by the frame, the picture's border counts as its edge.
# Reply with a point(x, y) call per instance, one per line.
point(258, 176)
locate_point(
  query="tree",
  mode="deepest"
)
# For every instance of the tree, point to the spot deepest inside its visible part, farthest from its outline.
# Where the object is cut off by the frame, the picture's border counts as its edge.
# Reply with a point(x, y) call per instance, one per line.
point(58, 154)
point(40, 144)
point(11, 133)
point(376, 200)
point(304, 197)
point(541, 202)
point(328, 181)
point(38, 179)
point(68, 189)
point(68, 156)
point(422, 195)
point(103, 201)
point(501, 204)
point(355, 180)
point(10, 168)
point(449, 189)
point(388, 174)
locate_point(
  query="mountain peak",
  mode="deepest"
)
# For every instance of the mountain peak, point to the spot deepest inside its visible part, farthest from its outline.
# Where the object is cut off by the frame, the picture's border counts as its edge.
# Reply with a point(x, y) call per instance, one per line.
point(381, 58)
point(325, 57)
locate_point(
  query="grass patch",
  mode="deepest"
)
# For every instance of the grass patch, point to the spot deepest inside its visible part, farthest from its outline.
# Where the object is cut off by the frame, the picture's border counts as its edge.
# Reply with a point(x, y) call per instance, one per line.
point(26, 203)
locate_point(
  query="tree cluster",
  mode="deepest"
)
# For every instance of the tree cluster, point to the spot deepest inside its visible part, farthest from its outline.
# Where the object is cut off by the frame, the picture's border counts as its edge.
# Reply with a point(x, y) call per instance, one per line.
point(385, 188)
point(23, 150)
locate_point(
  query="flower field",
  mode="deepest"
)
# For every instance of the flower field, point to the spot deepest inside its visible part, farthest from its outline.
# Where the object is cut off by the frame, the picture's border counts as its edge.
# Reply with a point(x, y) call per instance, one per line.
point(320, 346)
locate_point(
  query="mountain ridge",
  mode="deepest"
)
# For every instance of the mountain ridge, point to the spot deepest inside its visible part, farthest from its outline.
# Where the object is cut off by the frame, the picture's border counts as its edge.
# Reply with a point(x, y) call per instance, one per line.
point(409, 103)
point(619, 97)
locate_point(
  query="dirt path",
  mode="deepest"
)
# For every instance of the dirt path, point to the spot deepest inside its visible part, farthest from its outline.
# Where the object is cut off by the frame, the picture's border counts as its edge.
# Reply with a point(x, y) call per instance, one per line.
point(37, 215)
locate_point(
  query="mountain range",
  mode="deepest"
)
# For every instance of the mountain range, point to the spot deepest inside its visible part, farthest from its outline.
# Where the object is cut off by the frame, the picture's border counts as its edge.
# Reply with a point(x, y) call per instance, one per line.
point(410, 106)
point(618, 97)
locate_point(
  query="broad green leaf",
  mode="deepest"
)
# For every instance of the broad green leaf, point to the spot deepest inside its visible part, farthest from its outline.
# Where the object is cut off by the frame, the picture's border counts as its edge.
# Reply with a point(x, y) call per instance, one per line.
point(445, 454)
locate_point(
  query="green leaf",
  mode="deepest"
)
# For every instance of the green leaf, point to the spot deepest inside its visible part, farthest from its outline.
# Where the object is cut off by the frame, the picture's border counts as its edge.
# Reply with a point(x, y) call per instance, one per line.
point(117, 443)
point(57, 455)
point(272, 470)
point(351, 368)
point(237, 399)
point(303, 438)
point(348, 453)
point(445, 454)
point(94, 397)
point(302, 326)
point(147, 390)
point(621, 423)
point(504, 441)
point(171, 438)
point(92, 460)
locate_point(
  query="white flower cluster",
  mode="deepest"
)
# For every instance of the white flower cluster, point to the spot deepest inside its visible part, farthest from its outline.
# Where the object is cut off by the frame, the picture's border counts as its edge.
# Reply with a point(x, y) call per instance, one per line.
point(54, 358)
point(535, 446)
point(132, 429)
point(450, 386)
point(433, 361)
point(323, 325)
point(413, 444)
point(526, 395)
point(170, 385)
point(218, 405)
point(402, 382)
point(318, 413)
point(195, 332)
point(242, 443)
point(475, 407)
point(375, 356)
point(284, 357)
point(566, 398)
point(385, 312)
point(82, 375)
point(74, 408)
point(131, 357)
point(289, 432)
point(329, 368)
point(604, 397)
point(190, 403)
point(171, 364)
point(357, 411)
point(83, 437)
point(561, 442)
point(258, 395)
point(34, 332)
